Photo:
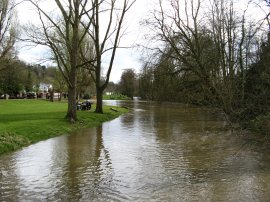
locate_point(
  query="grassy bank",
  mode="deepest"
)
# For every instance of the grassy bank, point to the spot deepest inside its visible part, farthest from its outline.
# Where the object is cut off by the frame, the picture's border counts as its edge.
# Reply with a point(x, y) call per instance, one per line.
point(115, 97)
point(23, 122)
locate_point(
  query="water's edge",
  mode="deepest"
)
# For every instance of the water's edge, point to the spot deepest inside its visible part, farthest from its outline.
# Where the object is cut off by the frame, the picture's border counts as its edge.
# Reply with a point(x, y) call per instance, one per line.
point(159, 152)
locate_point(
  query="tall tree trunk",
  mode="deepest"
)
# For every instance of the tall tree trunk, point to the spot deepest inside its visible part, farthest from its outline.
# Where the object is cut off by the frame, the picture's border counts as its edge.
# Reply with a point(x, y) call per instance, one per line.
point(60, 96)
point(51, 95)
point(99, 106)
point(72, 113)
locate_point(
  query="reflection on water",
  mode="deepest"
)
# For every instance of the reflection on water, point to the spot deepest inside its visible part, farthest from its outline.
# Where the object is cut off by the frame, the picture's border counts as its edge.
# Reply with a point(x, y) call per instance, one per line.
point(159, 152)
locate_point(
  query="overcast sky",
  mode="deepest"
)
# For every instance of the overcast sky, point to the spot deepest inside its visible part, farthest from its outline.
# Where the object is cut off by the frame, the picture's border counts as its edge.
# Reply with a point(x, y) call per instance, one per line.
point(125, 58)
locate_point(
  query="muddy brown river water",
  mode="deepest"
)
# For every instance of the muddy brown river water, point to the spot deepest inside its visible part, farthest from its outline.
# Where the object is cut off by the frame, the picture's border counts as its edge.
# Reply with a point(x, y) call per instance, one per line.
point(157, 152)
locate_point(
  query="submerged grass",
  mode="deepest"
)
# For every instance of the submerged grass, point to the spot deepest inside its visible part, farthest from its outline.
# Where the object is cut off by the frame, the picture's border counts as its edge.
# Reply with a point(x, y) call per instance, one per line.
point(23, 122)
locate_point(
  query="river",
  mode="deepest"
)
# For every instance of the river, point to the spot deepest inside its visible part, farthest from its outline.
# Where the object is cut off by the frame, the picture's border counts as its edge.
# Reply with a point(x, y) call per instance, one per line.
point(157, 152)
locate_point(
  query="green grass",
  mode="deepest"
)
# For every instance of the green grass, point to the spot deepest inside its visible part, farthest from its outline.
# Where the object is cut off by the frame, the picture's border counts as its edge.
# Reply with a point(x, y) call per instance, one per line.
point(23, 122)
point(115, 97)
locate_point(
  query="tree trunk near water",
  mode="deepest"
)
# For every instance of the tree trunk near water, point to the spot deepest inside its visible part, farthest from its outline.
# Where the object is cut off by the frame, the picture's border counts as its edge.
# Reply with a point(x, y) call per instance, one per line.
point(62, 35)
point(72, 113)
point(99, 106)
point(104, 44)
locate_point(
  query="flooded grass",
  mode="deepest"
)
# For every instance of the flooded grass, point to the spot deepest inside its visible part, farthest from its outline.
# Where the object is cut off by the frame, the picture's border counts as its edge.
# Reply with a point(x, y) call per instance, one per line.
point(23, 122)
point(11, 142)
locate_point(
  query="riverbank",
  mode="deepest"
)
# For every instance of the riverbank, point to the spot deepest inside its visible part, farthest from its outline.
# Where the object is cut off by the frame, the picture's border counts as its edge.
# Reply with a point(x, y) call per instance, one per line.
point(24, 122)
point(116, 97)
point(261, 124)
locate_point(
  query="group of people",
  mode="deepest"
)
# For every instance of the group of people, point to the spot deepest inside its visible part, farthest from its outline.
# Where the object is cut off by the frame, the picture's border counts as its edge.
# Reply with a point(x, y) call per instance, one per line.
point(86, 105)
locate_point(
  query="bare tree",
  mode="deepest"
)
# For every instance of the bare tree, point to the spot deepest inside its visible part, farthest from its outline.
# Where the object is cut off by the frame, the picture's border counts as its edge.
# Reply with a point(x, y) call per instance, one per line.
point(79, 41)
point(234, 34)
point(267, 17)
point(8, 30)
point(186, 40)
point(62, 34)
point(105, 43)
point(213, 44)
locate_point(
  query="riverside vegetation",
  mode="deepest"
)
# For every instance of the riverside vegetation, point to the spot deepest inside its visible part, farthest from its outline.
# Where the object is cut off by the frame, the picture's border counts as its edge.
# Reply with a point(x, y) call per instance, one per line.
point(116, 97)
point(23, 122)
point(217, 57)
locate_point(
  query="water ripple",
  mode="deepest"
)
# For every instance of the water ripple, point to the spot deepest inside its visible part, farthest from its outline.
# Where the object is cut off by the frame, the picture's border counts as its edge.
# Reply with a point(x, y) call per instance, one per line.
point(157, 152)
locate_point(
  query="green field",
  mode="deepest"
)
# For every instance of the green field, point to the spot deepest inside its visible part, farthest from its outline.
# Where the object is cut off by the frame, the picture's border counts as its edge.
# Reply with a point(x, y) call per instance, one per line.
point(23, 122)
